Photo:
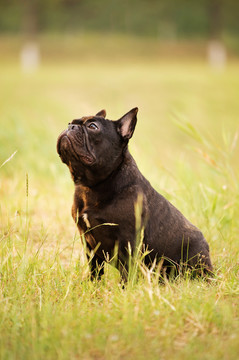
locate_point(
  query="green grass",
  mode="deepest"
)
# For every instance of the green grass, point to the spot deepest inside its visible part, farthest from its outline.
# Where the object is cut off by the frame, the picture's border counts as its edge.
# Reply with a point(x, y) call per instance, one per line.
point(185, 144)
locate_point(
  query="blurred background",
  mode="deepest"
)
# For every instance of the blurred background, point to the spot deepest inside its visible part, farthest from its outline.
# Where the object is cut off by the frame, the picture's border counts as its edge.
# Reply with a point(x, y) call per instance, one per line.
point(162, 20)
point(179, 27)
point(177, 60)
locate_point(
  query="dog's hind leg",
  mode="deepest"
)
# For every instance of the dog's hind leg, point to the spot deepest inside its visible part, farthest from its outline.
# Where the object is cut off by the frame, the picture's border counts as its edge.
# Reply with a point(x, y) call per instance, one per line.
point(199, 257)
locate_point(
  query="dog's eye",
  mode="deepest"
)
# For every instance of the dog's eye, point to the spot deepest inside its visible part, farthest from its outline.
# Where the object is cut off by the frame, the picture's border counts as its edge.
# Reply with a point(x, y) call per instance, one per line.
point(92, 126)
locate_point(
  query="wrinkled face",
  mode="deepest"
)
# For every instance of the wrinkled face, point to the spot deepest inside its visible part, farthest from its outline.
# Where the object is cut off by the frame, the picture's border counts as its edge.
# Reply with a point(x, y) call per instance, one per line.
point(92, 147)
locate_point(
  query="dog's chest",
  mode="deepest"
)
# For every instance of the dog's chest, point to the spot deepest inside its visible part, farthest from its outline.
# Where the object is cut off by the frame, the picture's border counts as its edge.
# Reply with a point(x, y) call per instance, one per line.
point(87, 230)
point(90, 221)
point(90, 218)
point(101, 219)
point(85, 222)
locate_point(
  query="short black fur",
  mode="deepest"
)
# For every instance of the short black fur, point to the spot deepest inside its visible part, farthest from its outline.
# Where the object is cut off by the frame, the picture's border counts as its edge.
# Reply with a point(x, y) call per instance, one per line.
point(108, 184)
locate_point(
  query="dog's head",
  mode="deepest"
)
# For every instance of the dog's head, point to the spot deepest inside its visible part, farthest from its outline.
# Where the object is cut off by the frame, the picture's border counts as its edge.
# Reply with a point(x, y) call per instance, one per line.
point(93, 147)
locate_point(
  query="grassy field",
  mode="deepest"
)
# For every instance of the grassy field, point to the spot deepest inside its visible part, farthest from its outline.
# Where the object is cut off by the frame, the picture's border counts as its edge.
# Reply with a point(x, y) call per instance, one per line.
point(185, 143)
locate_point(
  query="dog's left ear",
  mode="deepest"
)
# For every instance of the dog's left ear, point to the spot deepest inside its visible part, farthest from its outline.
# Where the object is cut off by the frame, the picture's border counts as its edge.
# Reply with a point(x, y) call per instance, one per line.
point(101, 113)
point(127, 123)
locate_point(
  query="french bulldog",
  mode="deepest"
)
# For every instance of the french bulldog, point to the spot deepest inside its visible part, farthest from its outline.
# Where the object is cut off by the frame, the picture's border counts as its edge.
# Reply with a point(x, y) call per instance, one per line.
point(108, 187)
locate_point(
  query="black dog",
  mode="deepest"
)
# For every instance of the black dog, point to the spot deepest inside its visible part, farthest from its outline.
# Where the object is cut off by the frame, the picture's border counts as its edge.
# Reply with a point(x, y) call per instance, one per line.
point(108, 184)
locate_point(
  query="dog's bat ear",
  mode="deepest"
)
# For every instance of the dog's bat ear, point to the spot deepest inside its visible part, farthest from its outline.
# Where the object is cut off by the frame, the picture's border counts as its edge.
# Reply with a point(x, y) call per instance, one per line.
point(101, 113)
point(127, 123)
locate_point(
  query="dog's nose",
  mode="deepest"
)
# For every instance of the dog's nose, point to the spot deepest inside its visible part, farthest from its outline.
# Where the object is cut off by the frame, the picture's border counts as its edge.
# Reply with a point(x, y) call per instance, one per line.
point(71, 126)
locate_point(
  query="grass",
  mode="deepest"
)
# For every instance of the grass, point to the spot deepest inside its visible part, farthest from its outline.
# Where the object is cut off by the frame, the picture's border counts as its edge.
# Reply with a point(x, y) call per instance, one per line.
point(186, 145)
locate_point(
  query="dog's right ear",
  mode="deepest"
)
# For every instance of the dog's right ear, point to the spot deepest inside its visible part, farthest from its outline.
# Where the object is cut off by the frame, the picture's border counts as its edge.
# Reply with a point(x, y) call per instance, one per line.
point(127, 123)
point(101, 113)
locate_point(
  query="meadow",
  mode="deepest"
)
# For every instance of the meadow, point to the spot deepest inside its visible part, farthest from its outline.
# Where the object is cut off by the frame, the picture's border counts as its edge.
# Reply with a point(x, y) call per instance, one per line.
point(185, 143)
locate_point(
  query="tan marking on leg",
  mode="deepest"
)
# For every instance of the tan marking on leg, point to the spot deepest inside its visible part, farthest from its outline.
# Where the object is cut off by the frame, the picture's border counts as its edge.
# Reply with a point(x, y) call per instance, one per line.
point(86, 220)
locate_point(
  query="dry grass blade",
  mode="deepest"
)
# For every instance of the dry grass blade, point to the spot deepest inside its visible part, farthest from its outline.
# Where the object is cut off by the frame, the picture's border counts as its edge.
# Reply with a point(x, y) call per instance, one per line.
point(10, 158)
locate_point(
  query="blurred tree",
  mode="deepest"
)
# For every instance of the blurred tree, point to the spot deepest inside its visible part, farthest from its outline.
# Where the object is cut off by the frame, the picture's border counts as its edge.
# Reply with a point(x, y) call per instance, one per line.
point(30, 19)
point(217, 55)
point(215, 11)
point(171, 18)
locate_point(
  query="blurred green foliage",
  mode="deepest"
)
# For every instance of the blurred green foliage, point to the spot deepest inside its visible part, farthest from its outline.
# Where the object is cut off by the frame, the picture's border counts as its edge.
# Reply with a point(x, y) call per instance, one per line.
point(163, 19)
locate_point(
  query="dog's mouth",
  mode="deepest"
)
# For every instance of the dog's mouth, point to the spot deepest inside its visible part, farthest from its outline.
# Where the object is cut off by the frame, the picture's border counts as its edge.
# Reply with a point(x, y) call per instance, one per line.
point(74, 146)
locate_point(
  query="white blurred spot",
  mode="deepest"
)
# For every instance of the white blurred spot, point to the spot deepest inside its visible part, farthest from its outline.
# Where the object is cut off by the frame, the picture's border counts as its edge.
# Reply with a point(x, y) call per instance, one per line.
point(113, 338)
point(30, 57)
point(217, 55)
